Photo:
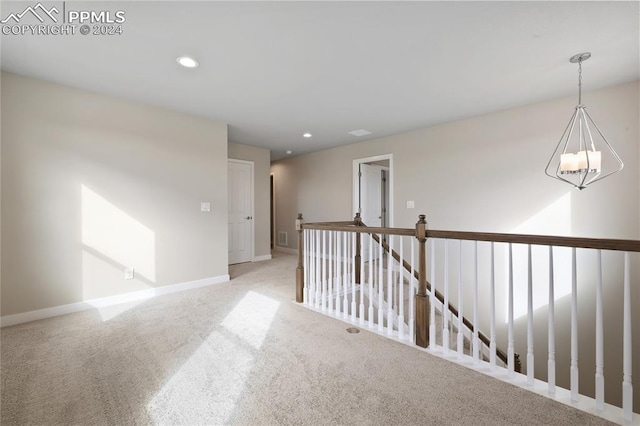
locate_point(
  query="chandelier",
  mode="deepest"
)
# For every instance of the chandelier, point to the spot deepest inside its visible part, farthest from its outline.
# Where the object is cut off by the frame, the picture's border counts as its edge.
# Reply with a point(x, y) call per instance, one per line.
point(578, 160)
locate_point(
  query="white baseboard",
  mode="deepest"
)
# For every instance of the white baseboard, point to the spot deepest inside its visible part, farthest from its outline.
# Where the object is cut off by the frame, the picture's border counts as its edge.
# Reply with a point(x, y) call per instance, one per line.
point(286, 249)
point(261, 258)
point(102, 302)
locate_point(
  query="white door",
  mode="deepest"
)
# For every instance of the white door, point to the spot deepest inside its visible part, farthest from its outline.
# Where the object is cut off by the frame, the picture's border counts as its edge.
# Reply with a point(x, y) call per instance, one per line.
point(370, 202)
point(371, 194)
point(240, 187)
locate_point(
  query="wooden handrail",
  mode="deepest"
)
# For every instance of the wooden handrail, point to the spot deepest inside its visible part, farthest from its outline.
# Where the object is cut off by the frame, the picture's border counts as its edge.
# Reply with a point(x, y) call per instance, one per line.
point(329, 226)
point(339, 223)
point(544, 240)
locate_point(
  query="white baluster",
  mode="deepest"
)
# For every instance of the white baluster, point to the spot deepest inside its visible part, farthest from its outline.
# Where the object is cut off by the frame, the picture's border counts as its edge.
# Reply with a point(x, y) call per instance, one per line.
point(324, 271)
point(460, 342)
point(331, 260)
point(510, 348)
point(390, 287)
point(599, 337)
point(380, 287)
point(401, 291)
point(574, 327)
point(329, 251)
point(476, 342)
point(492, 308)
point(551, 363)
point(412, 294)
point(338, 281)
point(530, 359)
point(337, 271)
point(432, 297)
point(305, 265)
point(362, 280)
point(311, 275)
point(318, 269)
point(395, 297)
point(445, 306)
point(371, 268)
point(627, 360)
point(345, 274)
point(354, 305)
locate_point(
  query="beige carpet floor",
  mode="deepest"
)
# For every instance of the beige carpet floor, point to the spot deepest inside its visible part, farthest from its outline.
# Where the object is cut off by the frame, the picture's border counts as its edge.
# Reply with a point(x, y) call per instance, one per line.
point(242, 353)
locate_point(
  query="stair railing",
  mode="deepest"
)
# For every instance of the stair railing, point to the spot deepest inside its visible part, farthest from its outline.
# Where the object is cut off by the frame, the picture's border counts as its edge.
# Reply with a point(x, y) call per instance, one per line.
point(422, 340)
point(425, 331)
point(335, 275)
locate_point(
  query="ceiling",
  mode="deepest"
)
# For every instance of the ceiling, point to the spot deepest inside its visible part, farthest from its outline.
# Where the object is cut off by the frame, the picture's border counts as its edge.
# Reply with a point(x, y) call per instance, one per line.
point(275, 70)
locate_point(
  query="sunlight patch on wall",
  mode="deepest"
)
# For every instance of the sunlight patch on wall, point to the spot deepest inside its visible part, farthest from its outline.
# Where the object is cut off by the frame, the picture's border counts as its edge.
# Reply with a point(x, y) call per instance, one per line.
point(117, 236)
point(555, 219)
point(112, 241)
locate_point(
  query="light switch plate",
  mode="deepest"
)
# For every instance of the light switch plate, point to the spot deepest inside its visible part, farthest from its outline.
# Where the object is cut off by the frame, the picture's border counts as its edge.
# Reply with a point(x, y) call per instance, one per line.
point(410, 205)
point(205, 207)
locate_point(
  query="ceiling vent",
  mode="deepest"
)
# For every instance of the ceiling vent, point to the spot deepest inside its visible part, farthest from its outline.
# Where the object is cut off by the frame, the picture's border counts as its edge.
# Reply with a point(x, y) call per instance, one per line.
point(361, 132)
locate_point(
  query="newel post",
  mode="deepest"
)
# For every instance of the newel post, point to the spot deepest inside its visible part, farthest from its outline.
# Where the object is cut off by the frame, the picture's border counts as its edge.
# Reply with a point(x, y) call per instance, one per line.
point(357, 221)
point(422, 301)
point(300, 268)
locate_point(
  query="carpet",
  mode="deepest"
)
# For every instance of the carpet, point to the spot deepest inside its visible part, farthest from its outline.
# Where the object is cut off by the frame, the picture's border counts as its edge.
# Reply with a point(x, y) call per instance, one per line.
point(242, 353)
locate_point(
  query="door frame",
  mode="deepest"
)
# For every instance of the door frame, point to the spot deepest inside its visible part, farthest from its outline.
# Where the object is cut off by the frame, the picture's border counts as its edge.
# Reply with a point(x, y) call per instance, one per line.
point(272, 182)
point(252, 202)
point(356, 182)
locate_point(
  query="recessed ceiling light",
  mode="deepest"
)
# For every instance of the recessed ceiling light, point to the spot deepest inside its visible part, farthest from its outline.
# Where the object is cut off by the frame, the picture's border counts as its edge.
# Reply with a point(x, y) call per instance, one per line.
point(289, 152)
point(307, 135)
point(361, 132)
point(187, 62)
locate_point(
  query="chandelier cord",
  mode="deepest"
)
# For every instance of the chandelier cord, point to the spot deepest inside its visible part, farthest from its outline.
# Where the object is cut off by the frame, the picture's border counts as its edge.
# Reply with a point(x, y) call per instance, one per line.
point(580, 81)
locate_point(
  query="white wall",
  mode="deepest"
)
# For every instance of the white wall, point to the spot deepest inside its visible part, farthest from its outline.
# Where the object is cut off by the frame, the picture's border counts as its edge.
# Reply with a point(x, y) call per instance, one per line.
point(487, 174)
point(93, 184)
point(262, 190)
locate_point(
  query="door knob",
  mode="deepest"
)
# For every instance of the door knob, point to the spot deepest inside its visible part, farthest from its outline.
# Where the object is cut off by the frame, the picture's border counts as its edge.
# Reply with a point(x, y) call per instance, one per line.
point(248, 218)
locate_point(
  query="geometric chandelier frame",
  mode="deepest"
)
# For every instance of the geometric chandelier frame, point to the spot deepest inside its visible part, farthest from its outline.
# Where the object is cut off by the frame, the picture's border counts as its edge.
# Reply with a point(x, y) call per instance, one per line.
point(583, 154)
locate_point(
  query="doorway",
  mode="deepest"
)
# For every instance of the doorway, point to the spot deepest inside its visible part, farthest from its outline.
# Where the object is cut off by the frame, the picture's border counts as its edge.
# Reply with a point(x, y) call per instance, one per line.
point(373, 193)
point(373, 190)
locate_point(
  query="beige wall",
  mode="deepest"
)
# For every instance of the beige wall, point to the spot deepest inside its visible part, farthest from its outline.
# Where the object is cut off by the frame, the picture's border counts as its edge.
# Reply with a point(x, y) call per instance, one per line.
point(93, 184)
point(262, 189)
point(493, 164)
point(487, 174)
